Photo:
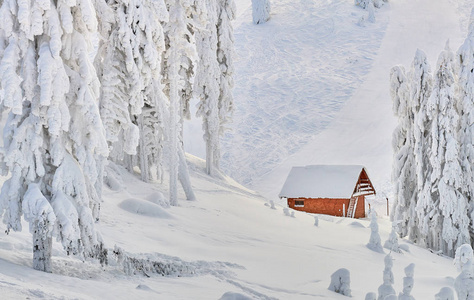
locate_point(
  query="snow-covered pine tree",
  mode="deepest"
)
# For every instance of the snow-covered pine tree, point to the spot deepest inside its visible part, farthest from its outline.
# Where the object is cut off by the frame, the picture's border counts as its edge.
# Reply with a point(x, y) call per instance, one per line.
point(132, 98)
point(446, 177)
point(404, 172)
point(54, 136)
point(225, 57)
point(214, 80)
point(465, 60)
point(421, 82)
point(207, 84)
point(179, 63)
point(260, 11)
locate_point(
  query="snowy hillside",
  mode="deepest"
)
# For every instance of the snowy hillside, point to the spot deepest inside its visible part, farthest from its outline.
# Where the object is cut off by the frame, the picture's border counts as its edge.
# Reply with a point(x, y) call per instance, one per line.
point(229, 239)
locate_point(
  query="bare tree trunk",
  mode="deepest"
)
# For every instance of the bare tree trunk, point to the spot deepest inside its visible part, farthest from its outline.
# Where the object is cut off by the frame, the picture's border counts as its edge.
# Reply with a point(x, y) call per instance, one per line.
point(42, 245)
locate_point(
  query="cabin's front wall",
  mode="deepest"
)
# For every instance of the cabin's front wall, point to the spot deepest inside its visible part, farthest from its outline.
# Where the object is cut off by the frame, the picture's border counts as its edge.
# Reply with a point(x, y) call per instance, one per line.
point(360, 208)
point(327, 206)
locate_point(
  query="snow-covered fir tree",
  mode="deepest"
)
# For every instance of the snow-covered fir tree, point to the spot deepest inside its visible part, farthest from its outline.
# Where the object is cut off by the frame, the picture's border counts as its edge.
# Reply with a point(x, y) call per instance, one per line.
point(180, 60)
point(421, 82)
point(404, 172)
point(214, 80)
point(446, 177)
point(260, 11)
point(465, 60)
point(132, 101)
point(54, 140)
point(207, 84)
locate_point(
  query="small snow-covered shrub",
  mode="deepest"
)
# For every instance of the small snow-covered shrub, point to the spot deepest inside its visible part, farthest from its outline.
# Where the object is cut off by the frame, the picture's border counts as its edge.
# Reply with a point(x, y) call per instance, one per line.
point(371, 296)
point(260, 11)
point(392, 242)
point(316, 221)
point(375, 243)
point(386, 288)
point(464, 283)
point(286, 211)
point(341, 282)
point(408, 283)
point(445, 293)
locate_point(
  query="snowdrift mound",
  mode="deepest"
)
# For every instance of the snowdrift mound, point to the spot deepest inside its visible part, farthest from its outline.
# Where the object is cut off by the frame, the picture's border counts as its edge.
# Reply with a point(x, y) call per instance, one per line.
point(144, 208)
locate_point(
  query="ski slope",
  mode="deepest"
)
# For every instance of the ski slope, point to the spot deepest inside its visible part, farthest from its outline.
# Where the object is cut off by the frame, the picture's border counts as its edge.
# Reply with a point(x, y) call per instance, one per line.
point(361, 132)
point(292, 75)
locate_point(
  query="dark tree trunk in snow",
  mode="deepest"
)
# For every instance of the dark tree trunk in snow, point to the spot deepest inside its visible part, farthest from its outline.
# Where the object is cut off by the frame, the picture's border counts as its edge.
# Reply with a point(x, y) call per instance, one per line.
point(42, 245)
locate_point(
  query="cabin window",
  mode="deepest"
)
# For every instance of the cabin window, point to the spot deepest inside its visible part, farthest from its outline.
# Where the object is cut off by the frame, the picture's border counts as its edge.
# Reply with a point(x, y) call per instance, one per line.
point(299, 203)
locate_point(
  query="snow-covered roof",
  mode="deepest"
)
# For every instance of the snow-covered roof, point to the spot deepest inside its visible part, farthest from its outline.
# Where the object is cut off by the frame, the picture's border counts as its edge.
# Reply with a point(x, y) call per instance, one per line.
point(321, 181)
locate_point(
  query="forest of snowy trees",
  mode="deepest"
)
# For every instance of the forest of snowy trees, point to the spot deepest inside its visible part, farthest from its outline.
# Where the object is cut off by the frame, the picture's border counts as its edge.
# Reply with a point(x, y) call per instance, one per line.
point(90, 82)
point(433, 171)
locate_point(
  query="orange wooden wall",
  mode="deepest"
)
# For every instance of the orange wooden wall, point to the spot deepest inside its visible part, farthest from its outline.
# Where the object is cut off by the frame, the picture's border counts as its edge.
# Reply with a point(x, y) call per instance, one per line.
point(328, 206)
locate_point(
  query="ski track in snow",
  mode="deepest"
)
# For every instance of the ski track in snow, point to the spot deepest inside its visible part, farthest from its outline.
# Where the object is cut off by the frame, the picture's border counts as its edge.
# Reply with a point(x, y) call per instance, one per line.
point(292, 76)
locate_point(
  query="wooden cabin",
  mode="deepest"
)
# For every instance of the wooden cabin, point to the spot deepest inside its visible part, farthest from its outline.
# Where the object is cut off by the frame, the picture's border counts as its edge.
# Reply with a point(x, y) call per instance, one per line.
point(328, 189)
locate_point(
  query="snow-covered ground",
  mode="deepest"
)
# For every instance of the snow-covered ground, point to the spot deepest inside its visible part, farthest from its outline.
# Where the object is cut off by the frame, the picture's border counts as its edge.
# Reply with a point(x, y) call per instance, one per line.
point(311, 87)
point(232, 240)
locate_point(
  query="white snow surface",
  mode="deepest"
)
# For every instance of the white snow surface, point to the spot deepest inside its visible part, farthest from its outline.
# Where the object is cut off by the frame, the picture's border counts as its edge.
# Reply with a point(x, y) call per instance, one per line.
point(321, 181)
point(234, 241)
point(321, 96)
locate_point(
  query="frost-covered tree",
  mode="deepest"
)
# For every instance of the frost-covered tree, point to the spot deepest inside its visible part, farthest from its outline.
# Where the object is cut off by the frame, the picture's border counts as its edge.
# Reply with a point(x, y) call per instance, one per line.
point(362, 3)
point(447, 177)
point(408, 283)
point(179, 63)
point(54, 141)
point(464, 283)
point(465, 60)
point(421, 82)
point(132, 101)
point(260, 11)
point(386, 288)
point(214, 80)
point(375, 243)
point(207, 85)
point(404, 172)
